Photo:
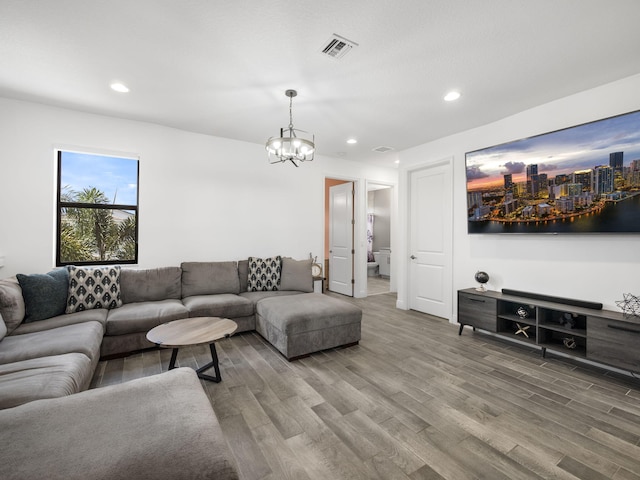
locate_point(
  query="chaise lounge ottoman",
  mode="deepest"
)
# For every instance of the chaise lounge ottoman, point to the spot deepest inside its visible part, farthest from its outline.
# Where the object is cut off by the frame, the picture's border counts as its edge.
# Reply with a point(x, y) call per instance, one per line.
point(154, 427)
point(299, 325)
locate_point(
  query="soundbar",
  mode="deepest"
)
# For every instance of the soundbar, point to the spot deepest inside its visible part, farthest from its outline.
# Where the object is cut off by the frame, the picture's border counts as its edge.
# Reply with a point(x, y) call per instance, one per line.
point(549, 298)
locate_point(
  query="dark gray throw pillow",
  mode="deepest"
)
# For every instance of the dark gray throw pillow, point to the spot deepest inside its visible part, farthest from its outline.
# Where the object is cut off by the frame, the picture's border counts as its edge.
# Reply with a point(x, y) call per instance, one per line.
point(45, 294)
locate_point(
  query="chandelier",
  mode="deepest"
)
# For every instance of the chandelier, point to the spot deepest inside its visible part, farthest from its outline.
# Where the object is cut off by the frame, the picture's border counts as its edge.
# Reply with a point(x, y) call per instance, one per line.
point(290, 146)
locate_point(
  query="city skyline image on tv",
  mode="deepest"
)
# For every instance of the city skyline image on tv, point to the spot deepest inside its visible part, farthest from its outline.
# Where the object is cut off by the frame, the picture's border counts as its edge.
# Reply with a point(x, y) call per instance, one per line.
point(582, 179)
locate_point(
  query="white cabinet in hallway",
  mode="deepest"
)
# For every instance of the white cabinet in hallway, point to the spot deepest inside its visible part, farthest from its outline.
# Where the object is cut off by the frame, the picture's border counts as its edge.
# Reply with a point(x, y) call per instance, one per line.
point(384, 262)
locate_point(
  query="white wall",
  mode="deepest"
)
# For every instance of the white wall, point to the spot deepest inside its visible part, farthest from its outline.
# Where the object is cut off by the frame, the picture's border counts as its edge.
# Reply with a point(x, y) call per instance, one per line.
point(598, 268)
point(202, 198)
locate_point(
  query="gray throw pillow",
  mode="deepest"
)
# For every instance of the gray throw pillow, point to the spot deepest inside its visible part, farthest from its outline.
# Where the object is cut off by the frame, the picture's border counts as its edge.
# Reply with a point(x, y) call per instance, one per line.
point(296, 275)
point(45, 294)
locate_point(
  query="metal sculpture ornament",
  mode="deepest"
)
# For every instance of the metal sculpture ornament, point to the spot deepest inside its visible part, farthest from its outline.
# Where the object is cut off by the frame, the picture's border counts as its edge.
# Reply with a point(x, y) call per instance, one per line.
point(630, 305)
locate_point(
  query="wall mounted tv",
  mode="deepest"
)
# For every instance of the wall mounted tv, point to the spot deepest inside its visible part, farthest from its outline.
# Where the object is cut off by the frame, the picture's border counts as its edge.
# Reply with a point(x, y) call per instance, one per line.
point(583, 179)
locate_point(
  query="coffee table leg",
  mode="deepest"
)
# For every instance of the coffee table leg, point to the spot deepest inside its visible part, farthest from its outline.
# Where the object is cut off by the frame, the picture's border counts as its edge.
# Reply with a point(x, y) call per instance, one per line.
point(174, 355)
point(213, 363)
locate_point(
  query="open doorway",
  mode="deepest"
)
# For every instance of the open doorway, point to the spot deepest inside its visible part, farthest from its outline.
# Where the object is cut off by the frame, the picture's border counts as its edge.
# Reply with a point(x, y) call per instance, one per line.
point(378, 238)
point(339, 236)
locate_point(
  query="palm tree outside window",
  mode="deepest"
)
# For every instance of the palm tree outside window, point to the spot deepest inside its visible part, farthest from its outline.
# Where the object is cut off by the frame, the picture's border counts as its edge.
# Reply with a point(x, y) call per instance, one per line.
point(97, 209)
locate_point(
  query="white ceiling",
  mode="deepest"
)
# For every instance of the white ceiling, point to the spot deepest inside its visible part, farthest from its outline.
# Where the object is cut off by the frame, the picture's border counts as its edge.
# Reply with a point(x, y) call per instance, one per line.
point(221, 67)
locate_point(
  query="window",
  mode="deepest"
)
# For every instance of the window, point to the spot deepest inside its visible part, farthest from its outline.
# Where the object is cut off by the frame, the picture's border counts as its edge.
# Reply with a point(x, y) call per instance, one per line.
point(97, 209)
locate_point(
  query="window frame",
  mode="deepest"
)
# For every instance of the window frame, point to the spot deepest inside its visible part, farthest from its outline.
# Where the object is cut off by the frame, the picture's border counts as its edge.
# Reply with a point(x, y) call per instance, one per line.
point(60, 206)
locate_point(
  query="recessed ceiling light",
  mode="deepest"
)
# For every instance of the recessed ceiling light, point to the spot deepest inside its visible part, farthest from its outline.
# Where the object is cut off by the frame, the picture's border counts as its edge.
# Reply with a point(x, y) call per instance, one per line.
point(451, 96)
point(352, 141)
point(119, 87)
point(397, 161)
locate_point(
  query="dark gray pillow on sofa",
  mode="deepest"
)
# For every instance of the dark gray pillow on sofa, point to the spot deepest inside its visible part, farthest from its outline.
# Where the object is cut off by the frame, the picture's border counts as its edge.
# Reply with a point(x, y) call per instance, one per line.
point(296, 275)
point(45, 294)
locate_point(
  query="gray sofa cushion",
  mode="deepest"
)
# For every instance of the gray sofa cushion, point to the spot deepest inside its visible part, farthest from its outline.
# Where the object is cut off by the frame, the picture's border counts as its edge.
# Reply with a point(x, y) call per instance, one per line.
point(11, 303)
point(223, 305)
point(150, 284)
point(44, 377)
point(79, 338)
point(143, 316)
point(3, 328)
point(160, 426)
point(255, 297)
point(307, 312)
point(96, 315)
point(243, 274)
point(45, 294)
point(208, 278)
point(296, 275)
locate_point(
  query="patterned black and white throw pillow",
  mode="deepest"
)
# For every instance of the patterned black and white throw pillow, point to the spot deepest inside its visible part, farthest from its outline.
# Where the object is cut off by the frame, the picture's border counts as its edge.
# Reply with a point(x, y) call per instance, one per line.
point(90, 288)
point(264, 274)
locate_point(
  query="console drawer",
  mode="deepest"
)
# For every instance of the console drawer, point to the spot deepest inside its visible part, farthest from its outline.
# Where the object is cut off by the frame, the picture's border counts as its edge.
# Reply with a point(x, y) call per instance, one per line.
point(478, 311)
point(614, 342)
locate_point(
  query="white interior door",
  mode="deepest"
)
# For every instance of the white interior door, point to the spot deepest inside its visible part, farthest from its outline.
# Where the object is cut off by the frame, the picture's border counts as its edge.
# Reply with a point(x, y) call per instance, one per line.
point(430, 247)
point(341, 238)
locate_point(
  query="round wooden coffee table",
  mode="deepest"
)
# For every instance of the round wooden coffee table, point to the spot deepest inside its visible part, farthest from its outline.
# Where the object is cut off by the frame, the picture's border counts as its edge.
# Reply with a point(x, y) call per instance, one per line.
point(193, 331)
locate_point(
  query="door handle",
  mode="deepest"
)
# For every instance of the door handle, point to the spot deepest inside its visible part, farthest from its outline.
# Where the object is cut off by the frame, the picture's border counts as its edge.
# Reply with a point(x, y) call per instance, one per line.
point(413, 257)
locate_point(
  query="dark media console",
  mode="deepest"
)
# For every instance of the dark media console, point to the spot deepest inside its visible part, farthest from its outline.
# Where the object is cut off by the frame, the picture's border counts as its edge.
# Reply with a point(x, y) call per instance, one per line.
point(549, 298)
point(573, 327)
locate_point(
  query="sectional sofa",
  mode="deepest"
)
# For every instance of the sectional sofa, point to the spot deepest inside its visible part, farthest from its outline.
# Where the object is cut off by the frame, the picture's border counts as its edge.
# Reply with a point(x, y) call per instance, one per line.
point(55, 327)
point(47, 352)
point(162, 426)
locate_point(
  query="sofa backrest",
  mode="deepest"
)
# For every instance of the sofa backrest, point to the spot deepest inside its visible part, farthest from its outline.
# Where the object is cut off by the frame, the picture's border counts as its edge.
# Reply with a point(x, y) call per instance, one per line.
point(12, 305)
point(150, 285)
point(209, 278)
point(296, 275)
point(3, 328)
point(243, 274)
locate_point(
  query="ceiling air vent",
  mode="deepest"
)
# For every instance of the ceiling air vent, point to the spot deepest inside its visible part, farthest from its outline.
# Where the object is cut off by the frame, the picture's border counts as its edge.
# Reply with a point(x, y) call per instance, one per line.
point(382, 149)
point(337, 46)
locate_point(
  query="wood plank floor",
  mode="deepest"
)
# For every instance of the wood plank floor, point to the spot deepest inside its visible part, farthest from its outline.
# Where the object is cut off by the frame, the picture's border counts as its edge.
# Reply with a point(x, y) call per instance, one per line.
point(413, 401)
point(377, 285)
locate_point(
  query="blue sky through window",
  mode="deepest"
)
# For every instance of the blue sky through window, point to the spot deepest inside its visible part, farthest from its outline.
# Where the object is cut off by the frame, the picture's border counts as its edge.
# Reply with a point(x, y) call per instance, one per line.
point(116, 177)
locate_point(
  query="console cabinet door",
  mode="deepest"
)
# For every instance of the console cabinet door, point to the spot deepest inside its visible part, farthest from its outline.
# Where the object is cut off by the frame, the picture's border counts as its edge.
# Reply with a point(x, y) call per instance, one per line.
point(478, 311)
point(614, 342)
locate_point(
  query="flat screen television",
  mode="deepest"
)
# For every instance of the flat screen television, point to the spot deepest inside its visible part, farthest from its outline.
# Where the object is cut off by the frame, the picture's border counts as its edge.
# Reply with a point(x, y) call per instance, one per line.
point(583, 179)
